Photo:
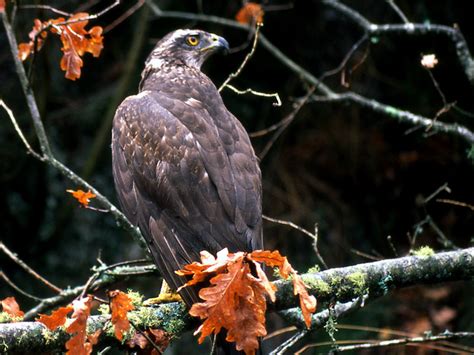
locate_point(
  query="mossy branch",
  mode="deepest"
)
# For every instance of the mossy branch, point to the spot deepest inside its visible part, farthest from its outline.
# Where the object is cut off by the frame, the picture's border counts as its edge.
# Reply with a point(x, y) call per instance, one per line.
point(362, 281)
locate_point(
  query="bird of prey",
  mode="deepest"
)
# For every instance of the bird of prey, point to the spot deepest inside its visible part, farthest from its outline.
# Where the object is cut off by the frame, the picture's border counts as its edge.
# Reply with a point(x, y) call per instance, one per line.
point(184, 168)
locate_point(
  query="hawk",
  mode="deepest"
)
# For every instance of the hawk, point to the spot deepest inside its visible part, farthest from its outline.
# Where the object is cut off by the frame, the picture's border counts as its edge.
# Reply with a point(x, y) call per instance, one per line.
point(184, 168)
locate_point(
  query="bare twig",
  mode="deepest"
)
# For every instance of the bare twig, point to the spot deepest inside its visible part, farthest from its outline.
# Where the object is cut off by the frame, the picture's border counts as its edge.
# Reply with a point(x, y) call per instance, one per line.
point(256, 93)
point(398, 11)
point(19, 131)
point(45, 7)
point(440, 189)
point(16, 288)
point(28, 269)
point(244, 62)
point(124, 16)
point(313, 236)
point(414, 340)
point(287, 120)
point(455, 203)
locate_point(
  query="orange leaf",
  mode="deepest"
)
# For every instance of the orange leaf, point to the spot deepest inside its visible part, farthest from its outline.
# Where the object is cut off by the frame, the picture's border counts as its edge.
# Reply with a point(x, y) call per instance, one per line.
point(77, 327)
point(57, 317)
point(158, 336)
point(2, 5)
point(236, 302)
point(272, 259)
point(75, 39)
point(251, 12)
point(120, 304)
point(81, 196)
point(307, 301)
point(208, 266)
point(10, 306)
point(24, 49)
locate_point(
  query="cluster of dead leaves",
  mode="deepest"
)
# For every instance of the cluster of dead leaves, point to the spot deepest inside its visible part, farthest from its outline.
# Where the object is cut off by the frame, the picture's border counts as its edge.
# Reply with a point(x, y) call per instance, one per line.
point(250, 13)
point(74, 318)
point(236, 299)
point(75, 39)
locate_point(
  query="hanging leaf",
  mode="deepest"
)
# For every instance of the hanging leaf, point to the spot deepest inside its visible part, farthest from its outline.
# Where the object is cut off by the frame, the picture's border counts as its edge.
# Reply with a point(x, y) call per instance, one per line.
point(250, 13)
point(120, 304)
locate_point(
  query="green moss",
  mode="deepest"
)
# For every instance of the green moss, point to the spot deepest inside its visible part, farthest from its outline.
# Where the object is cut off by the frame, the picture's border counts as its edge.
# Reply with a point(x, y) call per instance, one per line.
point(50, 336)
point(314, 269)
point(423, 251)
point(104, 309)
point(136, 297)
point(320, 287)
point(8, 318)
point(357, 279)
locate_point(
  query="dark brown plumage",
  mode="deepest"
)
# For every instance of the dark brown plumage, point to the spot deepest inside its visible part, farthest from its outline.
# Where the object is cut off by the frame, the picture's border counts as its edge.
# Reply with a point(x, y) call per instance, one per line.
point(184, 168)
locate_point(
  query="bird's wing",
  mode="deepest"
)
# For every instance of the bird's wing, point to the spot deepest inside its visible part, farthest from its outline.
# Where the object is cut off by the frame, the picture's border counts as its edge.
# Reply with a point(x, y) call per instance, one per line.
point(177, 182)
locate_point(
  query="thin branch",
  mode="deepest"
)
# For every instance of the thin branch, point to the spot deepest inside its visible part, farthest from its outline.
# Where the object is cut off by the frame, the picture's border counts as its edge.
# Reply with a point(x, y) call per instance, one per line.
point(245, 61)
point(456, 203)
point(28, 269)
point(19, 131)
point(45, 7)
point(440, 189)
point(398, 11)
point(287, 120)
point(16, 288)
point(414, 340)
point(401, 115)
point(124, 16)
point(313, 236)
point(105, 279)
point(256, 93)
point(285, 346)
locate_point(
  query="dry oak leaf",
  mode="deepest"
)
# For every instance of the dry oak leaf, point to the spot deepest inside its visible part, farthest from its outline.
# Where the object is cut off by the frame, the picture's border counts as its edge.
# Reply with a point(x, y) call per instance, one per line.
point(10, 306)
point(275, 259)
point(78, 344)
point(82, 197)
point(236, 302)
point(57, 318)
point(120, 304)
point(236, 299)
point(2, 5)
point(251, 12)
point(75, 39)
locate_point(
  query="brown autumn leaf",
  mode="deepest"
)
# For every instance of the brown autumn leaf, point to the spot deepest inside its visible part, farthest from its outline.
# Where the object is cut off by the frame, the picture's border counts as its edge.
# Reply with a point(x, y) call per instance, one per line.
point(10, 306)
point(236, 299)
point(77, 327)
point(75, 39)
point(307, 301)
point(120, 304)
point(275, 259)
point(272, 259)
point(251, 12)
point(57, 318)
point(236, 302)
point(159, 337)
point(82, 197)
point(2, 5)
point(209, 265)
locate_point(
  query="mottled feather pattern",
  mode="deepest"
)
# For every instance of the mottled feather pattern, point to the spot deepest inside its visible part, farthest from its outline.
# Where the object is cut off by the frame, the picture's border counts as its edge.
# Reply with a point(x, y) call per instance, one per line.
point(184, 167)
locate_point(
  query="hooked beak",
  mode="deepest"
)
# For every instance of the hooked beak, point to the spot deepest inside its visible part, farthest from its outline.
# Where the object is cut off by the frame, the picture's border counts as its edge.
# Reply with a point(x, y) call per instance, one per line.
point(217, 43)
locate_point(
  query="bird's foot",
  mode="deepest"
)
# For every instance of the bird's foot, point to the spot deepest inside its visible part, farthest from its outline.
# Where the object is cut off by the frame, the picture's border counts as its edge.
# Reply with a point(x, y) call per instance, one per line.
point(163, 298)
point(166, 296)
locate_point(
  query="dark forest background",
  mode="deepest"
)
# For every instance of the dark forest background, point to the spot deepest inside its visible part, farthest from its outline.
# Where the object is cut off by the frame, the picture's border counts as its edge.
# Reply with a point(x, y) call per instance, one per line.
point(360, 175)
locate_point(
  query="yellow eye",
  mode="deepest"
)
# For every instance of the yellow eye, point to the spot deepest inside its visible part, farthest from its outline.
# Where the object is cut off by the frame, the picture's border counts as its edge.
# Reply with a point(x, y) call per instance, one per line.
point(192, 40)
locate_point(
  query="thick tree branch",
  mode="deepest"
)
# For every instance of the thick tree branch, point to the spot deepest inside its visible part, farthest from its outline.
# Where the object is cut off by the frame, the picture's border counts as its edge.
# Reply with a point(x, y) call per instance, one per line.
point(370, 280)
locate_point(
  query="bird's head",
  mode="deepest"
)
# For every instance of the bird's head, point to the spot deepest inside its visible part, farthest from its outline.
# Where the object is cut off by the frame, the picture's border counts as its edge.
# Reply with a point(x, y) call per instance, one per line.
point(189, 47)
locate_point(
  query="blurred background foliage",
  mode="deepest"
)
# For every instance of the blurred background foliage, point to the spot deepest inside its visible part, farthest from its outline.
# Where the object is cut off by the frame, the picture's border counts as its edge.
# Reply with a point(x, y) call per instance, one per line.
point(359, 175)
